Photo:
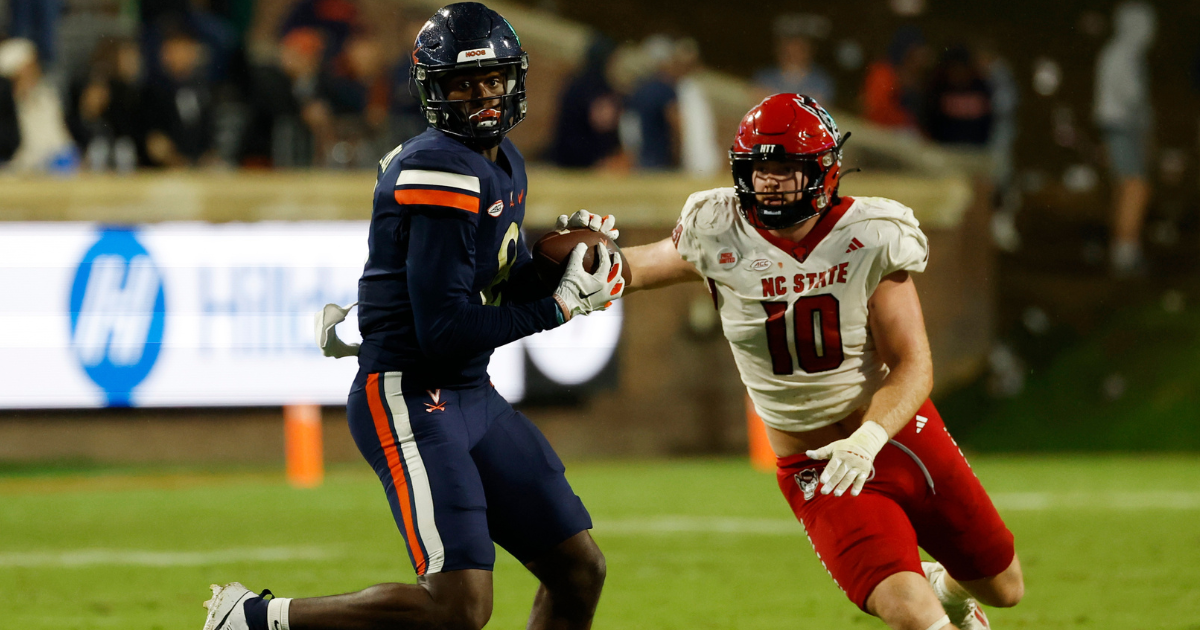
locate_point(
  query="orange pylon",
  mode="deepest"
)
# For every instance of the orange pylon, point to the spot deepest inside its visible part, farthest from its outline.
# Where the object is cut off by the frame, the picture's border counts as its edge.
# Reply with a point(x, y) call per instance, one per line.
point(302, 445)
point(761, 455)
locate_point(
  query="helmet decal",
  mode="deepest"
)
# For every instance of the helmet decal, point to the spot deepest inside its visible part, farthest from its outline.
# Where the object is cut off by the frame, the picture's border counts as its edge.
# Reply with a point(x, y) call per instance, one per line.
point(514, 31)
point(820, 114)
point(478, 53)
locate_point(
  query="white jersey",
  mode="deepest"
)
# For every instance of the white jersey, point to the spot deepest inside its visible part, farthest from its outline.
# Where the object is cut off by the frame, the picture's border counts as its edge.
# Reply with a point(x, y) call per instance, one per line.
point(797, 320)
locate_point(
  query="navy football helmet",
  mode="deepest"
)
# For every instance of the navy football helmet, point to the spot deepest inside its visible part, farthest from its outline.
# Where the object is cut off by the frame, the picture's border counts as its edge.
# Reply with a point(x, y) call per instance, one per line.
point(462, 37)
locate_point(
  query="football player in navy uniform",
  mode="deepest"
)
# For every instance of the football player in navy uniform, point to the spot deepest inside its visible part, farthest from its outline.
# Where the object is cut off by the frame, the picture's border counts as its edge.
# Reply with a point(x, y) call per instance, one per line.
point(449, 279)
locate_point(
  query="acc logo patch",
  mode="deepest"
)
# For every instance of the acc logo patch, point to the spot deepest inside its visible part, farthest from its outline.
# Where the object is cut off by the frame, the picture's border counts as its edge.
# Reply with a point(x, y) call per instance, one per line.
point(727, 258)
point(495, 209)
point(762, 264)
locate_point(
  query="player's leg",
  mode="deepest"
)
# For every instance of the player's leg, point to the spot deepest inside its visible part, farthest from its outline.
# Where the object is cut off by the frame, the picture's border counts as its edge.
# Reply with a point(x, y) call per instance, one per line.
point(866, 542)
point(459, 600)
point(959, 526)
point(905, 601)
point(1001, 591)
point(571, 576)
point(454, 600)
point(421, 453)
point(535, 515)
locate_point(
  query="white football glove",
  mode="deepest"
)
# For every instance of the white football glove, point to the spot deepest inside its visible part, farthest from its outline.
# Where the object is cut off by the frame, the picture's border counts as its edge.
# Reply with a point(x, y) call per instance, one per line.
point(327, 337)
point(850, 459)
point(580, 292)
point(594, 222)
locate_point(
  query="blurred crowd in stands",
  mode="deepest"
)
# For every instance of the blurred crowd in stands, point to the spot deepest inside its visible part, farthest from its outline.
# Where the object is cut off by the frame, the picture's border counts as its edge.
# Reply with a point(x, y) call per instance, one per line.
point(122, 84)
point(963, 97)
point(175, 83)
point(117, 85)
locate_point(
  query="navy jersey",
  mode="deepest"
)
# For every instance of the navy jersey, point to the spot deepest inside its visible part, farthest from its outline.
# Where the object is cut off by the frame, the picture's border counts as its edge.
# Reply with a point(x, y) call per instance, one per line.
point(449, 277)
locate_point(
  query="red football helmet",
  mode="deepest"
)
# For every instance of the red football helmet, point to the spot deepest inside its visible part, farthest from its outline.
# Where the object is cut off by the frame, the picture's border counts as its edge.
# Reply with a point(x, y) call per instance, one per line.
point(788, 127)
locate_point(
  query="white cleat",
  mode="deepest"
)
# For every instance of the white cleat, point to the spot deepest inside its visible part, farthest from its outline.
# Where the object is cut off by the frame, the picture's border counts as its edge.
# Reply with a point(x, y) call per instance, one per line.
point(226, 610)
point(965, 615)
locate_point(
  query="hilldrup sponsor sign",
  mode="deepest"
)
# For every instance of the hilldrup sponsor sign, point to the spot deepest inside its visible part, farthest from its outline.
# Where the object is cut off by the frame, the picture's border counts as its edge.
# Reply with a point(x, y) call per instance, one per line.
point(117, 314)
point(195, 314)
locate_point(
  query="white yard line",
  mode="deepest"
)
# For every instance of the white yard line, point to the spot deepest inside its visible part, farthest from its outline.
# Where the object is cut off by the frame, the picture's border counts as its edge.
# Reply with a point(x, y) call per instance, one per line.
point(1005, 502)
point(650, 525)
point(1151, 500)
point(144, 558)
point(700, 525)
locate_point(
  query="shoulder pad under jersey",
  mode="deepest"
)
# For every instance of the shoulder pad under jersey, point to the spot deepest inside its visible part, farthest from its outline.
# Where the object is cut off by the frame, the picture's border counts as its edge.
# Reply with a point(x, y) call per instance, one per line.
point(437, 175)
point(709, 212)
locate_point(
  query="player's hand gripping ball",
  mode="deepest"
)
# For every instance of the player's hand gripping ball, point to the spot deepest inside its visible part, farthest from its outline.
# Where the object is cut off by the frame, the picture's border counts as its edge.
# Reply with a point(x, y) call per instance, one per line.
point(584, 219)
point(581, 292)
point(551, 252)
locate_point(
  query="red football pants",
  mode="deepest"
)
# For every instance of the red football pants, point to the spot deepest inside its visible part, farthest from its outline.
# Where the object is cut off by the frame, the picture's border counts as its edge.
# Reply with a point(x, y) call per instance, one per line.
point(923, 494)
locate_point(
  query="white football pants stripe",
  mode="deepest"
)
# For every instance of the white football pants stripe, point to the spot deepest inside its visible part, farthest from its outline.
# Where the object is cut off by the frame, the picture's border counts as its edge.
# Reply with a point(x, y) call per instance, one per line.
point(418, 478)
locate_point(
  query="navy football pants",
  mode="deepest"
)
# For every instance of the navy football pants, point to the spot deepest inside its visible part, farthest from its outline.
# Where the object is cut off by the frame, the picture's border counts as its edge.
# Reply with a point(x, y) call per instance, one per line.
point(461, 469)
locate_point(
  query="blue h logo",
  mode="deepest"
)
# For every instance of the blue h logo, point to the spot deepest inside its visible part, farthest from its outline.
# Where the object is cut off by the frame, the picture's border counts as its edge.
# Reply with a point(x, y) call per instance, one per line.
point(117, 314)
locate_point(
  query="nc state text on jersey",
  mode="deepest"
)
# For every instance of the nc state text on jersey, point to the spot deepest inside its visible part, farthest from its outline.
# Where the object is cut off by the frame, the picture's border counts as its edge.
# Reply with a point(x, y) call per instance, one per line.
point(777, 285)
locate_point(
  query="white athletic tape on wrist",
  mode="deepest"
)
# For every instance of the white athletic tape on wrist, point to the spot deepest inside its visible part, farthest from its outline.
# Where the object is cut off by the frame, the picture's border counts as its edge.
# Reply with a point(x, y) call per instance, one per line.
point(874, 436)
point(940, 623)
point(277, 613)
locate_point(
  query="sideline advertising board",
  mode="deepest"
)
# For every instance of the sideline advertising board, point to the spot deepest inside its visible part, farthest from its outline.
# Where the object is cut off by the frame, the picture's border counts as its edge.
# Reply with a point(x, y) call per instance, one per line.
point(198, 314)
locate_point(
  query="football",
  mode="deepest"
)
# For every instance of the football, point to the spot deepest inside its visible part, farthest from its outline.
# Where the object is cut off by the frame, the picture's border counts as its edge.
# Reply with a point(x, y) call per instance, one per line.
point(550, 254)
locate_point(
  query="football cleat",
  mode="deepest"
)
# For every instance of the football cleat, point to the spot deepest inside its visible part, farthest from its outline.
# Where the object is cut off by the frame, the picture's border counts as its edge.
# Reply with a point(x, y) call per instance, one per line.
point(965, 614)
point(226, 609)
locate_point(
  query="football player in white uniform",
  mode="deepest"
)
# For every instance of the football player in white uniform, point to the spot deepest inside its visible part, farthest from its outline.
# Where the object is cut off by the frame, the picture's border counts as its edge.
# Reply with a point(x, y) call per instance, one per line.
point(816, 300)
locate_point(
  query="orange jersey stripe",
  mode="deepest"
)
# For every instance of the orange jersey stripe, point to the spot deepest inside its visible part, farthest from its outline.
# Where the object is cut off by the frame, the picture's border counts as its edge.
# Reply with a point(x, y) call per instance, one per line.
point(392, 452)
point(426, 197)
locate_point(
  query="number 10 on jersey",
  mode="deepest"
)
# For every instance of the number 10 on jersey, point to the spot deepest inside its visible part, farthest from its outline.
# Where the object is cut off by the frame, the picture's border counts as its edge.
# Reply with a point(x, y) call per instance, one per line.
point(818, 334)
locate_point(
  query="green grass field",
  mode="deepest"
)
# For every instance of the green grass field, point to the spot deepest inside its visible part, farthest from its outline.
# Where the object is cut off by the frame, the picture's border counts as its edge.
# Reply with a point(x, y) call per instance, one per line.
point(1106, 543)
point(1130, 385)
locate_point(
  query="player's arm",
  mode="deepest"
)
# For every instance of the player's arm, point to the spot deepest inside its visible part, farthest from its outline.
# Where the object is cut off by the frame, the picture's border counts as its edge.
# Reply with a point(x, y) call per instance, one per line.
point(657, 265)
point(898, 327)
point(441, 270)
point(650, 266)
point(523, 283)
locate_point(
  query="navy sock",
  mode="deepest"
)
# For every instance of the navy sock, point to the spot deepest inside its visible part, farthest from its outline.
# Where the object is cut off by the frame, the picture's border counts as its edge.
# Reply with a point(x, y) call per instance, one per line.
point(256, 613)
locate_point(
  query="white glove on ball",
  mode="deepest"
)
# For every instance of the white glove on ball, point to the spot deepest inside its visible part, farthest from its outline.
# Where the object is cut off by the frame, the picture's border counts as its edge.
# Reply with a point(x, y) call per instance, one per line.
point(850, 459)
point(580, 292)
point(594, 222)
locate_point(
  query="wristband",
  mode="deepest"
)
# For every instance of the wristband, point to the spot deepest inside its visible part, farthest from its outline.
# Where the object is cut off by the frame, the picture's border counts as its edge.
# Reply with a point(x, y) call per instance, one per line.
point(560, 310)
point(873, 437)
